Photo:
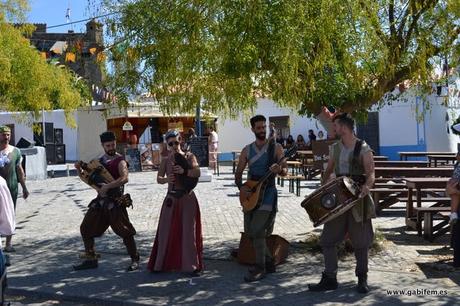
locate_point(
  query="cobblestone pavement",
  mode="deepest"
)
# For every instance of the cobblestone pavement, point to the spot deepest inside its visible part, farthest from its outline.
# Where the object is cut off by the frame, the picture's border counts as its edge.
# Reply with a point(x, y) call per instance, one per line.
point(48, 243)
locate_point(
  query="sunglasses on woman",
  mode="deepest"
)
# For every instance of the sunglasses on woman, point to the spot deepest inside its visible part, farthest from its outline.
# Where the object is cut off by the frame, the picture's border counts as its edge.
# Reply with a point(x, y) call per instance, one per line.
point(172, 143)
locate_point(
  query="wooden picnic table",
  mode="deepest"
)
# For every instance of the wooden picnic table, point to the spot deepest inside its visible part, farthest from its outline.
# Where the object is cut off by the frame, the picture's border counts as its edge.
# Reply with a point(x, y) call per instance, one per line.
point(380, 158)
point(294, 164)
point(305, 155)
point(305, 152)
point(416, 184)
point(405, 155)
point(402, 163)
point(412, 172)
point(434, 159)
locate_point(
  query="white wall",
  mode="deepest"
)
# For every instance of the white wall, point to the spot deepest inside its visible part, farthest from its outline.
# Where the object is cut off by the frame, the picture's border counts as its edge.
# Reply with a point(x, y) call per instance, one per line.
point(235, 134)
point(90, 125)
point(398, 125)
point(438, 133)
point(23, 128)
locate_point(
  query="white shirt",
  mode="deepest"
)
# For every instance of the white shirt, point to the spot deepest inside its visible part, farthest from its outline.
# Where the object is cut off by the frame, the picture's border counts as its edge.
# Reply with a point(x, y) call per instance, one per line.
point(214, 137)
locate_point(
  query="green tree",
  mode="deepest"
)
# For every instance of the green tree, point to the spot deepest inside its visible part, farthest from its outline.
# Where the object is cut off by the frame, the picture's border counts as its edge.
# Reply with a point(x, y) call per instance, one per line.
point(304, 54)
point(27, 81)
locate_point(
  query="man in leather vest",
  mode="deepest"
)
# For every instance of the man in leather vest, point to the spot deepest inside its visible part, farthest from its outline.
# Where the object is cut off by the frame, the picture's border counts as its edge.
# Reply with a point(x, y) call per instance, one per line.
point(105, 211)
point(349, 157)
point(261, 156)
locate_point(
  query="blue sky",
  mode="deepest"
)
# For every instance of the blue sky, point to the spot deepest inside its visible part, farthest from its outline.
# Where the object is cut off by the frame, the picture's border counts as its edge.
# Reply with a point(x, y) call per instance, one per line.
point(53, 12)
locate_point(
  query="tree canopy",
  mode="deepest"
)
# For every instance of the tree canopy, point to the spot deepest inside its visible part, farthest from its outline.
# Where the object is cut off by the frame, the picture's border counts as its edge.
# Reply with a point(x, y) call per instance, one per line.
point(27, 81)
point(303, 54)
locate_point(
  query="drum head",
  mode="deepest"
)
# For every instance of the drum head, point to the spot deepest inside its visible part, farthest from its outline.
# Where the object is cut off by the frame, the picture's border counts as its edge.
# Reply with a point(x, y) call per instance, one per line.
point(329, 201)
point(351, 186)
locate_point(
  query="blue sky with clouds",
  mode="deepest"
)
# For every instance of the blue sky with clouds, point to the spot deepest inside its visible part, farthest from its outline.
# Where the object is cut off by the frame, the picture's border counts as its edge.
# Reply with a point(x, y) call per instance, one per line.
point(53, 12)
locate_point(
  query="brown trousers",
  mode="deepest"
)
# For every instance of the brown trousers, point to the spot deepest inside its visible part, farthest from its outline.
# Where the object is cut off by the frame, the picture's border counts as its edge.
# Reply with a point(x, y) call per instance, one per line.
point(361, 236)
point(98, 219)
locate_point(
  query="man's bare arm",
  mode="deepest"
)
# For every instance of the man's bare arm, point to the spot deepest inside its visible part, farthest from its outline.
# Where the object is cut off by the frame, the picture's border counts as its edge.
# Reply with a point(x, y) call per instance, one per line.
point(282, 161)
point(123, 179)
point(22, 181)
point(195, 171)
point(329, 170)
point(242, 162)
point(368, 163)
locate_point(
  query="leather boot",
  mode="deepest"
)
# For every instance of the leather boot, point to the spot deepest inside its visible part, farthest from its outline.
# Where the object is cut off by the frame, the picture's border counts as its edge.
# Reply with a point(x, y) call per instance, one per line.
point(270, 267)
point(255, 274)
point(87, 264)
point(362, 286)
point(326, 283)
point(134, 264)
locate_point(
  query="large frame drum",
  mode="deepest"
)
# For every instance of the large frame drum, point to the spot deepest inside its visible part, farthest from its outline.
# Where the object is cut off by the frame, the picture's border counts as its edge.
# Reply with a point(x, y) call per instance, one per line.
point(331, 200)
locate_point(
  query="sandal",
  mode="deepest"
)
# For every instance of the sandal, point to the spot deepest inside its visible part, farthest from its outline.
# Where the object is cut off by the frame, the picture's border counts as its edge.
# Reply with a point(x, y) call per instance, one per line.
point(133, 266)
point(9, 249)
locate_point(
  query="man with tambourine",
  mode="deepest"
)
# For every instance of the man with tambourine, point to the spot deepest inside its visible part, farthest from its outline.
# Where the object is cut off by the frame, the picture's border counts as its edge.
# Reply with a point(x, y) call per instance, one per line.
point(265, 159)
point(353, 158)
point(108, 177)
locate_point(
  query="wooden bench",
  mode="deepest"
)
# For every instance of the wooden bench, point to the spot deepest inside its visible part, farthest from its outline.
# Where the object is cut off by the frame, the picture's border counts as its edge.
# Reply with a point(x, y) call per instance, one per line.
point(428, 199)
point(389, 185)
point(309, 171)
point(389, 197)
point(442, 159)
point(385, 197)
point(294, 182)
point(393, 163)
point(405, 155)
point(428, 215)
point(412, 172)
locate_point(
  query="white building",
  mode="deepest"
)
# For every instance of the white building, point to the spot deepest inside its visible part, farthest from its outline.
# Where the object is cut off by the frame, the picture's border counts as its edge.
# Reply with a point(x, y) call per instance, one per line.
point(405, 125)
point(21, 126)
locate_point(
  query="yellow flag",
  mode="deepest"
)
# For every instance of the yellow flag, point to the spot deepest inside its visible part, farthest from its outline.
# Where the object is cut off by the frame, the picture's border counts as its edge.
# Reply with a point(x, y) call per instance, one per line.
point(92, 50)
point(100, 57)
point(43, 55)
point(70, 57)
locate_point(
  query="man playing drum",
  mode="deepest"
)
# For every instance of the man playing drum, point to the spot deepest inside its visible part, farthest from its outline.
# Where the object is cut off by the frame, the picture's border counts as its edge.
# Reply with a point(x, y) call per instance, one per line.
point(261, 156)
point(349, 157)
point(105, 211)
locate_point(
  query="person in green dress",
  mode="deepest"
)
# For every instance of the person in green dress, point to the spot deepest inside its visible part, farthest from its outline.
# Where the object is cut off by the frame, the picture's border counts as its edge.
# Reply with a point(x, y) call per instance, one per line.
point(11, 170)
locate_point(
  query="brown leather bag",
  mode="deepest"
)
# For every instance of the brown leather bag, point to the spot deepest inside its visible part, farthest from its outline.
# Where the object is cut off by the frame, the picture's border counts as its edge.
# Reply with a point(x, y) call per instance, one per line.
point(125, 200)
point(278, 246)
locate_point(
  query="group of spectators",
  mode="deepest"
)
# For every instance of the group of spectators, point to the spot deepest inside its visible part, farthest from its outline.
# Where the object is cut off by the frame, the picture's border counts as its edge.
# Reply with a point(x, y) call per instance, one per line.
point(300, 141)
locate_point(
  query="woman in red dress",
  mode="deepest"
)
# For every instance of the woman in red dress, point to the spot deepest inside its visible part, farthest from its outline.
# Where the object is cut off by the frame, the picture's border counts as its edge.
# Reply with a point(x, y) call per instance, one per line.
point(178, 244)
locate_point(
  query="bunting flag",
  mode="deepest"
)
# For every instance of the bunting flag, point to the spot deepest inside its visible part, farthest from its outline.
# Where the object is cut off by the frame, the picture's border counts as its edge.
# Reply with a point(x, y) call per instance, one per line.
point(70, 57)
point(43, 55)
point(79, 45)
point(100, 57)
point(92, 50)
point(59, 47)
